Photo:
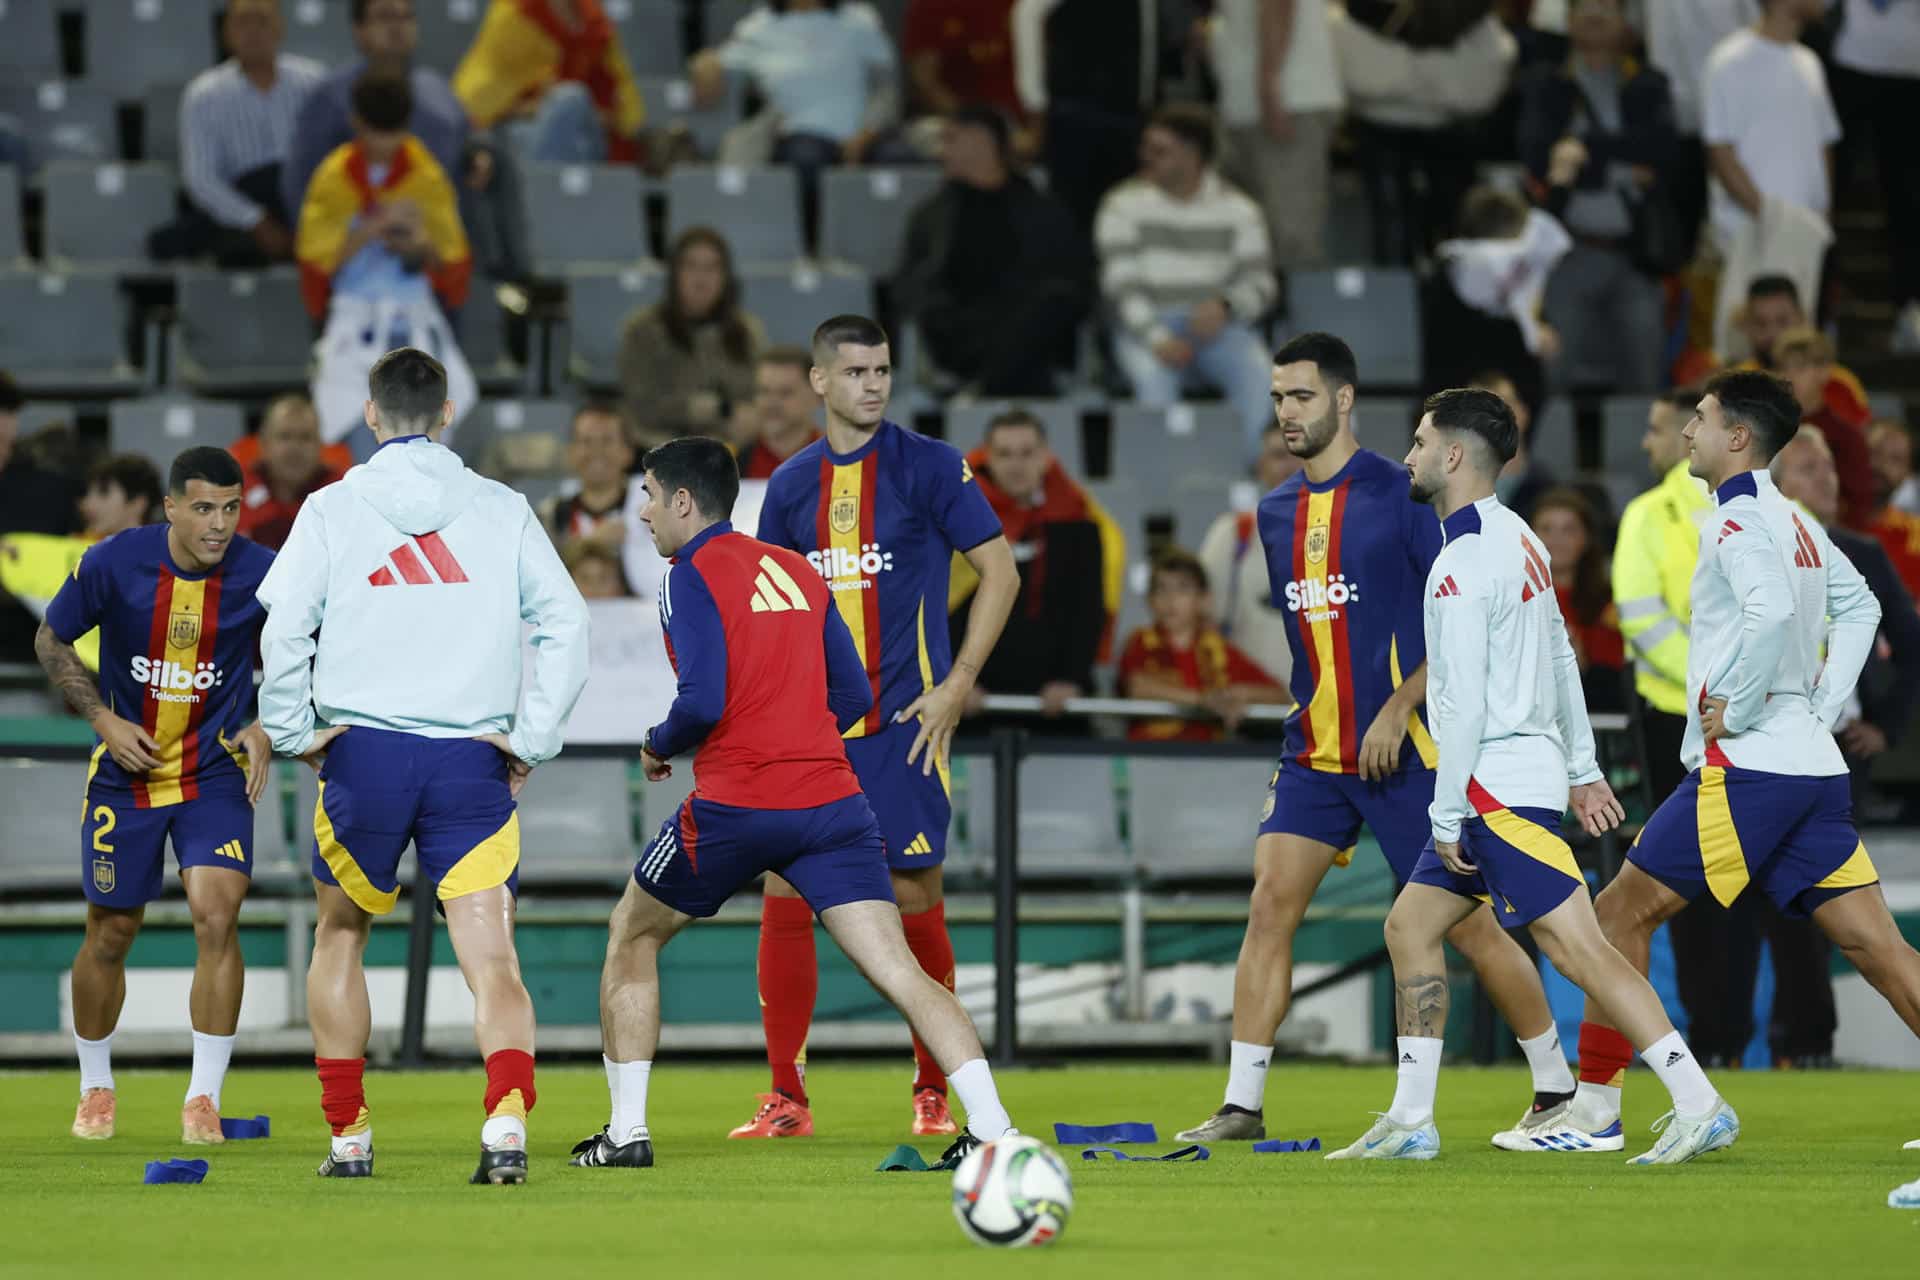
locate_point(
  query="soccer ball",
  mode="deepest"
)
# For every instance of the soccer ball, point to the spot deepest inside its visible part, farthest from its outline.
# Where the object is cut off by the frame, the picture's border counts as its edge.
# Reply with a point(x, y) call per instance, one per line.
point(1012, 1193)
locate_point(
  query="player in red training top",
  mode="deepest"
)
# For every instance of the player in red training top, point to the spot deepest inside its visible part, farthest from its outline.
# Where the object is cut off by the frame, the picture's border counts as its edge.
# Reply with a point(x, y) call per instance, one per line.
point(879, 511)
point(769, 678)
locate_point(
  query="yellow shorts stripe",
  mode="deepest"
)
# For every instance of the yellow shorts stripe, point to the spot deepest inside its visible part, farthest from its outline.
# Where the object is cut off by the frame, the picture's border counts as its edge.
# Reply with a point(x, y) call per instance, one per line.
point(1722, 859)
point(485, 866)
point(1533, 840)
point(345, 870)
point(1854, 873)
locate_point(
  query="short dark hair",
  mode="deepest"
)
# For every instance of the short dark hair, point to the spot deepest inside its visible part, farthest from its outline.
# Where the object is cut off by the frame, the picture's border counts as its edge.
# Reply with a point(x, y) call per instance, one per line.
point(1760, 402)
point(704, 467)
point(982, 115)
point(204, 462)
point(407, 386)
point(1331, 355)
point(1773, 285)
point(1480, 413)
point(1190, 122)
point(1015, 417)
point(357, 11)
point(12, 399)
point(597, 408)
point(1686, 399)
point(382, 102)
point(133, 475)
point(1179, 560)
point(789, 356)
point(845, 330)
point(1491, 213)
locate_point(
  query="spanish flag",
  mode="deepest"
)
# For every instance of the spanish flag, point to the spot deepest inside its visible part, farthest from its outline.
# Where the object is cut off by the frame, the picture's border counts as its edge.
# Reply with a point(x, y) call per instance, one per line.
point(342, 191)
point(524, 48)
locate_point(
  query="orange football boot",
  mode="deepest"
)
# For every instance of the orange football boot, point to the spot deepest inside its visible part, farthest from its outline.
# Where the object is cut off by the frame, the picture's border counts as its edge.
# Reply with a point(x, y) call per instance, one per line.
point(778, 1117)
point(930, 1114)
point(200, 1122)
point(93, 1118)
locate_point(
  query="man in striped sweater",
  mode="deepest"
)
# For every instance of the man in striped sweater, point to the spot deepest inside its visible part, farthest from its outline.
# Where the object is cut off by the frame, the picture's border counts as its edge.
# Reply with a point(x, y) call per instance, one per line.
point(1185, 265)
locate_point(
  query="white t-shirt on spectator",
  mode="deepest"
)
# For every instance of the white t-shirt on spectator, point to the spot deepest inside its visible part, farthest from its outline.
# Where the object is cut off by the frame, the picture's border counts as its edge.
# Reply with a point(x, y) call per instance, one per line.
point(1880, 39)
point(1769, 102)
point(1309, 78)
point(1681, 35)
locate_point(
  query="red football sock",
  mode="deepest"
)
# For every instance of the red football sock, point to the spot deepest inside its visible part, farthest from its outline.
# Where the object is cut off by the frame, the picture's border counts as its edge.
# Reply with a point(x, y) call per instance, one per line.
point(927, 937)
point(1605, 1055)
point(343, 1095)
point(509, 1072)
point(789, 984)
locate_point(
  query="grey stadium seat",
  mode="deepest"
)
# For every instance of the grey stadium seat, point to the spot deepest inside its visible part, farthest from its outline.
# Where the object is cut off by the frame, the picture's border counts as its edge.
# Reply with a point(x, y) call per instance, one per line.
point(598, 304)
point(757, 210)
point(13, 248)
point(1376, 309)
point(65, 331)
point(1196, 502)
point(102, 213)
point(864, 213)
point(1554, 438)
point(135, 44)
point(649, 33)
point(1184, 440)
point(160, 124)
point(506, 437)
point(1623, 425)
point(483, 341)
point(1190, 819)
point(584, 213)
point(967, 425)
point(792, 302)
point(1069, 817)
point(318, 29)
point(669, 100)
point(63, 119)
point(41, 799)
point(576, 823)
point(447, 28)
point(1385, 424)
point(160, 427)
point(29, 40)
point(36, 414)
point(241, 330)
point(722, 16)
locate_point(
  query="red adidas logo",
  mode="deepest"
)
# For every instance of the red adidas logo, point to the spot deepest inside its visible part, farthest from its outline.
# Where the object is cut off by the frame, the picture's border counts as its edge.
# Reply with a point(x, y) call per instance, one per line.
point(1448, 587)
point(1538, 579)
point(1725, 529)
point(1806, 555)
point(406, 561)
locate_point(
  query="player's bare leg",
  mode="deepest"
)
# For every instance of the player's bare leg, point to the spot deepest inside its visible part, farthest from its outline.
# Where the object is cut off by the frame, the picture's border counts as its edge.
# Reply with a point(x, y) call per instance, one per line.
point(480, 926)
point(214, 895)
point(871, 935)
point(787, 972)
point(341, 1017)
point(1700, 1121)
point(1629, 910)
point(99, 991)
point(1862, 927)
point(921, 897)
point(630, 1027)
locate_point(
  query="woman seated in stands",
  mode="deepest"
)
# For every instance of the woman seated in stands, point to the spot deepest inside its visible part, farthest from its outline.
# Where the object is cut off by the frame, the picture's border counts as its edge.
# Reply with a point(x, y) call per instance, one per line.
point(686, 363)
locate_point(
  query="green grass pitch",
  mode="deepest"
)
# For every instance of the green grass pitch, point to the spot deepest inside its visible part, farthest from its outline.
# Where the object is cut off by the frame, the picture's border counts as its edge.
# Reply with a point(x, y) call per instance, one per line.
point(1803, 1194)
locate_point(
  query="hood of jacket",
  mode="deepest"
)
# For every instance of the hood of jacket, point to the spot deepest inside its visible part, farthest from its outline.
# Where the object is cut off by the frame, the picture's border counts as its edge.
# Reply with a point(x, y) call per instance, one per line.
point(418, 485)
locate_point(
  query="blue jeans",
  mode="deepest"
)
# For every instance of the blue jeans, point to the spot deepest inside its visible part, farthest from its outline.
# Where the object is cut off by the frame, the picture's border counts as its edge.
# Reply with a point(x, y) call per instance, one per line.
point(564, 129)
point(1235, 362)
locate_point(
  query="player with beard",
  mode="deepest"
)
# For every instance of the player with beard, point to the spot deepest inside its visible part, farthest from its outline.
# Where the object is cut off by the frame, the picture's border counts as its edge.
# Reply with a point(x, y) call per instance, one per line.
point(1348, 553)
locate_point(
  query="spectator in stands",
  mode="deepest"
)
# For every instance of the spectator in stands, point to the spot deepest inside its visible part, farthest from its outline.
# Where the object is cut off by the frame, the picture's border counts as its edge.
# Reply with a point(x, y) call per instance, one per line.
point(1890, 445)
point(381, 250)
point(387, 35)
point(1524, 479)
point(826, 70)
point(1186, 266)
point(1233, 557)
point(960, 53)
point(289, 469)
point(1280, 99)
point(1182, 657)
point(236, 124)
point(1089, 71)
point(785, 416)
point(32, 500)
point(123, 492)
point(599, 456)
point(1569, 527)
point(1804, 358)
point(1876, 88)
point(686, 362)
point(1071, 557)
point(1596, 135)
point(594, 566)
point(1680, 37)
point(1483, 308)
point(554, 72)
point(994, 270)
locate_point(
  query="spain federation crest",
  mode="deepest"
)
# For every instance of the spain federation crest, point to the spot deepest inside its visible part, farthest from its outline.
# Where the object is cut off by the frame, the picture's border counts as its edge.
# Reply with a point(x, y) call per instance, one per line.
point(1318, 536)
point(103, 875)
point(844, 514)
point(183, 630)
point(1266, 810)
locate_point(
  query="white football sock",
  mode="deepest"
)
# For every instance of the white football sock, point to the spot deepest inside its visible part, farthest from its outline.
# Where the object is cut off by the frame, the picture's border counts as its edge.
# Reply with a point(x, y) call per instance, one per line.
point(1247, 1074)
point(1597, 1105)
point(1419, 1079)
point(1680, 1071)
point(986, 1118)
point(96, 1062)
point(1549, 1062)
point(497, 1129)
point(211, 1054)
point(613, 1088)
point(629, 1085)
point(362, 1139)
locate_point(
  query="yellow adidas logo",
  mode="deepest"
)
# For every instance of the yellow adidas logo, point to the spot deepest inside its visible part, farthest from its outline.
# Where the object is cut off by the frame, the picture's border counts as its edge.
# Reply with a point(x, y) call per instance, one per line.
point(774, 591)
point(919, 844)
point(232, 849)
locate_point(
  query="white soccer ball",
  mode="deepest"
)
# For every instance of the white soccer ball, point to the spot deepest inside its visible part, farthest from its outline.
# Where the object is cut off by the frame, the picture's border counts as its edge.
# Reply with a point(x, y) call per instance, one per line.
point(1012, 1193)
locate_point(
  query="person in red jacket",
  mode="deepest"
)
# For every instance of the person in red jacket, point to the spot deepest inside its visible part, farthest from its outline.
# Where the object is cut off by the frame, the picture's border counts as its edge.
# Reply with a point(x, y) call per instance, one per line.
point(1183, 657)
point(290, 467)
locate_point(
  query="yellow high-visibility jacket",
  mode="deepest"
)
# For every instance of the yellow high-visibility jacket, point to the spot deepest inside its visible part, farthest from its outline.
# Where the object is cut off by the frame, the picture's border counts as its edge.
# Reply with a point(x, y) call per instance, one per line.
point(1653, 562)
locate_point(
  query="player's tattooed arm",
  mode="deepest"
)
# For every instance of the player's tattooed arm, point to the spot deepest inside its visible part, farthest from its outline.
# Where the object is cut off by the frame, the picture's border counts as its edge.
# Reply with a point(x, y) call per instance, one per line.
point(69, 675)
point(1420, 1005)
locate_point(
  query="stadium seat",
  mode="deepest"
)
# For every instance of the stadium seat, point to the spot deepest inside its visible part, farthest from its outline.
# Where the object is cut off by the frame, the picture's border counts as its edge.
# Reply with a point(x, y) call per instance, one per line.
point(967, 425)
point(722, 16)
point(319, 29)
point(483, 341)
point(584, 213)
point(37, 414)
point(1191, 819)
point(1623, 425)
point(63, 120)
point(757, 210)
point(1377, 309)
point(66, 331)
point(160, 124)
point(1196, 502)
point(1554, 440)
point(792, 301)
point(598, 304)
point(13, 247)
point(1349, 235)
point(37, 851)
point(133, 45)
point(1069, 825)
point(101, 214)
point(29, 41)
point(238, 331)
point(159, 427)
point(864, 213)
point(1385, 424)
point(576, 824)
point(512, 438)
point(669, 100)
point(1151, 445)
point(447, 28)
point(649, 33)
